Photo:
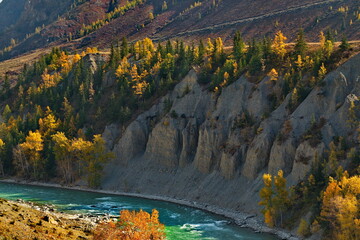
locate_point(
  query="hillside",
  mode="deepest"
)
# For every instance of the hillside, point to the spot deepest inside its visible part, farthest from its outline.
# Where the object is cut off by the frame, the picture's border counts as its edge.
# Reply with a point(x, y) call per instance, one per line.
point(169, 99)
point(189, 20)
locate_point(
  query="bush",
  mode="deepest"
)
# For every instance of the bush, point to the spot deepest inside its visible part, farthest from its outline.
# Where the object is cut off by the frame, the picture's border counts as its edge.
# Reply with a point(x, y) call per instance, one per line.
point(132, 225)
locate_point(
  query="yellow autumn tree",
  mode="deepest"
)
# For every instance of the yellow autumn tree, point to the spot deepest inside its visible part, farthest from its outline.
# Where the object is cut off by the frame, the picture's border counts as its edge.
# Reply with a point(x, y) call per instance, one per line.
point(273, 74)
point(50, 80)
point(63, 156)
point(279, 46)
point(132, 225)
point(65, 63)
point(341, 209)
point(76, 58)
point(274, 197)
point(49, 123)
point(91, 156)
point(266, 195)
point(32, 149)
point(139, 83)
point(123, 68)
point(209, 47)
point(281, 197)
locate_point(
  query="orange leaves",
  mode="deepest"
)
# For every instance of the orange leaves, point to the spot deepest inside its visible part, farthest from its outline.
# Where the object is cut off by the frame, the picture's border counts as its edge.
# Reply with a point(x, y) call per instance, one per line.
point(340, 207)
point(273, 74)
point(268, 218)
point(50, 80)
point(132, 225)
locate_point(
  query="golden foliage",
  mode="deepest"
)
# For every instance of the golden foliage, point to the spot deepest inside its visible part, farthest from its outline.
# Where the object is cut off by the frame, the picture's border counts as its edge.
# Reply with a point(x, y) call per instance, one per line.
point(123, 68)
point(49, 123)
point(50, 80)
point(279, 45)
point(340, 207)
point(273, 74)
point(322, 71)
point(132, 225)
point(34, 142)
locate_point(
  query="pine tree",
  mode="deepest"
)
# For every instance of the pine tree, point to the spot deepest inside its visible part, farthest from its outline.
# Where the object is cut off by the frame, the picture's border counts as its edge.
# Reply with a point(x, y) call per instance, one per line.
point(124, 48)
point(344, 46)
point(300, 45)
point(6, 113)
point(169, 47)
point(239, 46)
point(201, 52)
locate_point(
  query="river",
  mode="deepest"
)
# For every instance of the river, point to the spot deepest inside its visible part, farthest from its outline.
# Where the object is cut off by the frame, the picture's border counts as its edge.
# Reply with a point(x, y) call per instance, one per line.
point(182, 223)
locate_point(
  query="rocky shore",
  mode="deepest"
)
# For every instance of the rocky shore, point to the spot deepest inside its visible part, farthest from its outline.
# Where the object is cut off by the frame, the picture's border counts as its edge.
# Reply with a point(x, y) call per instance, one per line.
point(26, 220)
point(242, 219)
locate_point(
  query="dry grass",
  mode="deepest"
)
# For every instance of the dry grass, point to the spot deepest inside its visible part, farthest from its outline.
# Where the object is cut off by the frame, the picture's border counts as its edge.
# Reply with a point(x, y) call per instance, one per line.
point(16, 64)
point(19, 221)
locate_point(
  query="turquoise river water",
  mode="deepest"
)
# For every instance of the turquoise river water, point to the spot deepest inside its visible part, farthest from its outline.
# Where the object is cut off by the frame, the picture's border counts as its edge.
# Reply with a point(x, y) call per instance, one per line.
point(182, 223)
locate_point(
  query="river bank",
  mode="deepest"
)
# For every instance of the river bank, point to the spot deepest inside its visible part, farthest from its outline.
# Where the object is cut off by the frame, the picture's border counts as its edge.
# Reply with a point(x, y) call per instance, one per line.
point(19, 219)
point(241, 219)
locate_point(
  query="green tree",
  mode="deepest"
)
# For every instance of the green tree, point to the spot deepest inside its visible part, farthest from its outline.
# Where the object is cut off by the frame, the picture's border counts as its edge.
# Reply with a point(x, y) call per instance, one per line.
point(344, 46)
point(124, 48)
point(238, 46)
point(6, 113)
point(300, 45)
point(95, 160)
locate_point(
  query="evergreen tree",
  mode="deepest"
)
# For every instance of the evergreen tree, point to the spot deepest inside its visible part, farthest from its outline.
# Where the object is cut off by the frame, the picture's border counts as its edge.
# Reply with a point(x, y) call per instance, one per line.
point(238, 46)
point(201, 52)
point(124, 48)
point(300, 45)
point(344, 46)
point(6, 113)
point(169, 47)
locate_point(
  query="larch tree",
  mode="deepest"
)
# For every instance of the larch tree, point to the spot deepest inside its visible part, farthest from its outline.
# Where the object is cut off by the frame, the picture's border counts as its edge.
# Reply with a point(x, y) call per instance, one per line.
point(279, 46)
point(274, 197)
point(341, 209)
point(266, 195)
point(281, 195)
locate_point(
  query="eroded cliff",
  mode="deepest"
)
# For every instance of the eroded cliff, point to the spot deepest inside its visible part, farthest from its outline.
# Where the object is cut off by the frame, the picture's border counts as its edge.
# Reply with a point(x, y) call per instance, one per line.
point(214, 147)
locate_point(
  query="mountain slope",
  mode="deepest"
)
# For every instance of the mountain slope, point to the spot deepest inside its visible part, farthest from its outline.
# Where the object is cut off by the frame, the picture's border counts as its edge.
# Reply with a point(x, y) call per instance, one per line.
point(189, 20)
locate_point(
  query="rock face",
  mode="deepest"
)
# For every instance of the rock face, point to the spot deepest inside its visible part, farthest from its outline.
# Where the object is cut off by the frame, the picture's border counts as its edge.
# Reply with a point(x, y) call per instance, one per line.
point(214, 147)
